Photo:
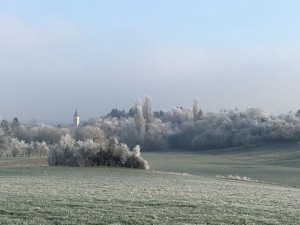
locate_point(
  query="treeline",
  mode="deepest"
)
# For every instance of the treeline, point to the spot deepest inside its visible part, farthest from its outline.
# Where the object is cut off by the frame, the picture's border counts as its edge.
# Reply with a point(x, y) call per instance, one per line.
point(69, 146)
point(192, 129)
point(179, 128)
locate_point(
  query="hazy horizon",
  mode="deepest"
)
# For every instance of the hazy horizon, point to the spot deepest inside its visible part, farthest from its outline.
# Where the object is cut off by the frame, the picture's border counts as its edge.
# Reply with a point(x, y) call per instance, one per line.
point(59, 56)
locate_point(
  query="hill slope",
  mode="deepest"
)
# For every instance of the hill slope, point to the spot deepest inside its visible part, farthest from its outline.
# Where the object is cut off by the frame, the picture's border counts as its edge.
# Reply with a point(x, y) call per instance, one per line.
point(48, 195)
point(33, 193)
point(279, 164)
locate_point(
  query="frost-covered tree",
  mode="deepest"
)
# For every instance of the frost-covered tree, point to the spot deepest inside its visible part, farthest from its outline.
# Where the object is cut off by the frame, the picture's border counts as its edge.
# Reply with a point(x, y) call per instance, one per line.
point(178, 115)
point(42, 149)
point(6, 127)
point(49, 134)
point(139, 117)
point(5, 137)
point(64, 153)
point(22, 133)
point(196, 110)
point(3, 142)
point(147, 110)
point(90, 132)
point(67, 142)
point(110, 126)
point(128, 133)
point(156, 137)
point(17, 147)
point(297, 114)
point(140, 121)
point(29, 149)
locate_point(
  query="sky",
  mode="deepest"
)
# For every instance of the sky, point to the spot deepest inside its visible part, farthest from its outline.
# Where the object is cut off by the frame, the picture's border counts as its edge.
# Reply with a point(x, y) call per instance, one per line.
point(57, 56)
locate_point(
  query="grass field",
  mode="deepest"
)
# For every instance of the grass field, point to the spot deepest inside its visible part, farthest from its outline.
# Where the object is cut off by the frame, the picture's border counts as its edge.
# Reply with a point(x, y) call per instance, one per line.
point(279, 165)
point(33, 193)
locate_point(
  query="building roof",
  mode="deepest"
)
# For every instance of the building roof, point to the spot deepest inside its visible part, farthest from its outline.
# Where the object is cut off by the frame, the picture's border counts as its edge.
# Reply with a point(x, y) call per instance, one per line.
point(75, 114)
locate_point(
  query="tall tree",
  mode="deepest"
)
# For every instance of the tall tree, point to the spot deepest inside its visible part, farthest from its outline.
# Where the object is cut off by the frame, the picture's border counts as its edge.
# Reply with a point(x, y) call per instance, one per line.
point(147, 111)
point(139, 120)
point(5, 135)
point(196, 109)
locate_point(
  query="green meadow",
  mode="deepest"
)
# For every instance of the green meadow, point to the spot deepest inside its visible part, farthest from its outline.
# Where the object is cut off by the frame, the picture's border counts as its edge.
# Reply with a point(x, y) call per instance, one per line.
point(180, 188)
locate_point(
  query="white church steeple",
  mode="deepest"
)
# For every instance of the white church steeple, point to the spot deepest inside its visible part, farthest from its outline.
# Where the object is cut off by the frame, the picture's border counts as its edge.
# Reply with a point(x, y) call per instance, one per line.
point(76, 119)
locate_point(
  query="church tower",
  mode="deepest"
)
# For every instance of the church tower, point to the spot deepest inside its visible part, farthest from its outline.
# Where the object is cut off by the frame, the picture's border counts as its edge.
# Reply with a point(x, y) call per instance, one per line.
point(76, 119)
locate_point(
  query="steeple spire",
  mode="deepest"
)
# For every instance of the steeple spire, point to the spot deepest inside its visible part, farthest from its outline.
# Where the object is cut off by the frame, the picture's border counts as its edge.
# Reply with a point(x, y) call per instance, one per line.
point(75, 114)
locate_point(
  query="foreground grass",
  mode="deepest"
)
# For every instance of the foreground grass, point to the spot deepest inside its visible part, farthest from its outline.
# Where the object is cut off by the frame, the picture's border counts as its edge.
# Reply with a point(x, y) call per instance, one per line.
point(33, 193)
point(57, 195)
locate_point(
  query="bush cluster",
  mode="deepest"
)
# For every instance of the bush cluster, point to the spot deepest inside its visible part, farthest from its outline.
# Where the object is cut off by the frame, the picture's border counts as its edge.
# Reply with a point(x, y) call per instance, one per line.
point(69, 152)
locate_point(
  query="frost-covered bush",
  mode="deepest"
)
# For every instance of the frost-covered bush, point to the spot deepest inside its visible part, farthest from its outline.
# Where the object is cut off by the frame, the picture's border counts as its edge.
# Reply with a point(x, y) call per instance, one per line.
point(65, 153)
point(16, 147)
point(89, 153)
point(41, 148)
point(136, 162)
point(119, 155)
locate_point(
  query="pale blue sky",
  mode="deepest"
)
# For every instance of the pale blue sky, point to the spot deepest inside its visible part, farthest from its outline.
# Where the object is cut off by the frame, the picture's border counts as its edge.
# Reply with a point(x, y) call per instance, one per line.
point(59, 55)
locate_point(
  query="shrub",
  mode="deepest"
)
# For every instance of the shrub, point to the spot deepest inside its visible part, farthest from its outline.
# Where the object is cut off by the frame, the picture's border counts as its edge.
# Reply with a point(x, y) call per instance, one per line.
point(88, 153)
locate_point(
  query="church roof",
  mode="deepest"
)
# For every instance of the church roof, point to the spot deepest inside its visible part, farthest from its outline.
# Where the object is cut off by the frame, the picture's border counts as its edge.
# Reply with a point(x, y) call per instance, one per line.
point(75, 114)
